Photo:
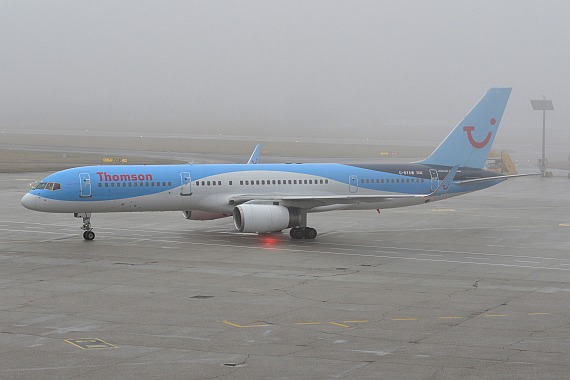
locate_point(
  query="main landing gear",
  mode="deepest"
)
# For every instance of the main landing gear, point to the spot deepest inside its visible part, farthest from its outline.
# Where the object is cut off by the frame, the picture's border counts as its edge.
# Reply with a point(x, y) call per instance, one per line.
point(88, 233)
point(303, 233)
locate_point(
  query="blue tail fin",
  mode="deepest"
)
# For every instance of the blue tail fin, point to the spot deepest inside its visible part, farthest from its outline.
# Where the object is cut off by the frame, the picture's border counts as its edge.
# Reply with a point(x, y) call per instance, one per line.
point(469, 143)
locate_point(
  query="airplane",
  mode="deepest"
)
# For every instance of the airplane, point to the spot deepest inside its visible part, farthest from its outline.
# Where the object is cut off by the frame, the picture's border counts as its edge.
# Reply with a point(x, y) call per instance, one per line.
point(266, 198)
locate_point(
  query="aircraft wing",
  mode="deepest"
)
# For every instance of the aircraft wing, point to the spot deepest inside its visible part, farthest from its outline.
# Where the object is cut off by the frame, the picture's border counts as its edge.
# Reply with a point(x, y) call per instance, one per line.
point(310, 201)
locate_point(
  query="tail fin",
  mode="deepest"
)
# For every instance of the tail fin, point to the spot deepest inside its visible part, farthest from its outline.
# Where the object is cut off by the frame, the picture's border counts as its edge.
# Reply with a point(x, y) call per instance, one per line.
point(470, 141)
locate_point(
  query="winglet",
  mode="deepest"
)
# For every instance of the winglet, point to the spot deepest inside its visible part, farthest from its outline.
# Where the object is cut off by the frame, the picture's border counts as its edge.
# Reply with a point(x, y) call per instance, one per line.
point(255, 155)
point(446, 183)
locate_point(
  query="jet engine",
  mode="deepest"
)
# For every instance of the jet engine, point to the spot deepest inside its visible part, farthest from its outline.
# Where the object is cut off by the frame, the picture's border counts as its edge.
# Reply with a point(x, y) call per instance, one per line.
point(264, 218)
point(203, 215)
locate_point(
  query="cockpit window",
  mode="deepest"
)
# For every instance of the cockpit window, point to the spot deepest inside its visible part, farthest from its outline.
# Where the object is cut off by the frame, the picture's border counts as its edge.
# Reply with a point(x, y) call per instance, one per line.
point(48, 186)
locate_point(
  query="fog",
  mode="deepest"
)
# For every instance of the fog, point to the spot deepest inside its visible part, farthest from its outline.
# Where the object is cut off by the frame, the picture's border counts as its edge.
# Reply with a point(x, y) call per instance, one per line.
point(358, 69)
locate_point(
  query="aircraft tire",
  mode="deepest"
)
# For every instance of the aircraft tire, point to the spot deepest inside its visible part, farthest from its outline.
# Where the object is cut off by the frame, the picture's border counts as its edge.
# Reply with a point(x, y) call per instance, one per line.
point(89, 235)
point(296, 233)
point(310, 233)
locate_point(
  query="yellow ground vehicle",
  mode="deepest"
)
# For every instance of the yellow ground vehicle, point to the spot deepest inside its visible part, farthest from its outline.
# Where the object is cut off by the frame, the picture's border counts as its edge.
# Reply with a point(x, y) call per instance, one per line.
point(501, 163)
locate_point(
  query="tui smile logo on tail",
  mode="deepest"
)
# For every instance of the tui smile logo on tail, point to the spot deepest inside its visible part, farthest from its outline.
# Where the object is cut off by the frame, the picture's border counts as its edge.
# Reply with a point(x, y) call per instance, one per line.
point(479, 144)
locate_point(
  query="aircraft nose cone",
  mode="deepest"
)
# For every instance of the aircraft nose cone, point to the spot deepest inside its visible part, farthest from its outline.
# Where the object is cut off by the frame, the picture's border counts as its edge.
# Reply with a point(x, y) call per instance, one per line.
point(29, 201)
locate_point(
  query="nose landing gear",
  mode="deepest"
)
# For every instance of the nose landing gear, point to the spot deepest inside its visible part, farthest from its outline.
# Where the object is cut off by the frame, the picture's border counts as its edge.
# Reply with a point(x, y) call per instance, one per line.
point(88, 233)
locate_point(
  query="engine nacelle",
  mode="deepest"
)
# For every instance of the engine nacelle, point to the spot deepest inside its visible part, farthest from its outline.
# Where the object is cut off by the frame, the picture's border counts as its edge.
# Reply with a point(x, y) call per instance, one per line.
point(264, 218)
point(203, 215)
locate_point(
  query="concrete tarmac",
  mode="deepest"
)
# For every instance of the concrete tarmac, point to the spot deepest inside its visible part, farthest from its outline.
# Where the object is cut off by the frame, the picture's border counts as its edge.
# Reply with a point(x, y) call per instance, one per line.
point(475, 287)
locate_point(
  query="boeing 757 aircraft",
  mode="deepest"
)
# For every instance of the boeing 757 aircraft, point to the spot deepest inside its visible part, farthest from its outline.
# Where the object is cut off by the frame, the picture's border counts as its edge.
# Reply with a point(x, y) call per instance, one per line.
point(265, 198)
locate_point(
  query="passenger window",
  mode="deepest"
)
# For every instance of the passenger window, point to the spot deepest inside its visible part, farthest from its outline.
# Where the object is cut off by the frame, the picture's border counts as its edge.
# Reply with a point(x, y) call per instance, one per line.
point(106, 184)
point(100, 184)
point(263, 182)
point(230, 183)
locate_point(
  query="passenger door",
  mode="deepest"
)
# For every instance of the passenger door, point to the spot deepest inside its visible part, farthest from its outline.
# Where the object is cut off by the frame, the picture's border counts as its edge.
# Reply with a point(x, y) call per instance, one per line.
point(84, 185)
point(434, 179)
point(185, 184)
point(353, 184)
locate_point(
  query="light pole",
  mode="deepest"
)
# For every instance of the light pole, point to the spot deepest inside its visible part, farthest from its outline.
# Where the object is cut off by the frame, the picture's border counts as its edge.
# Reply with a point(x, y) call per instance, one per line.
point(543, 105)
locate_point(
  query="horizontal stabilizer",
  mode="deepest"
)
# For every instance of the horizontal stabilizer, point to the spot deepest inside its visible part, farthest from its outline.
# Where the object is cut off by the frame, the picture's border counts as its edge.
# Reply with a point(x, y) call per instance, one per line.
point(486, 179)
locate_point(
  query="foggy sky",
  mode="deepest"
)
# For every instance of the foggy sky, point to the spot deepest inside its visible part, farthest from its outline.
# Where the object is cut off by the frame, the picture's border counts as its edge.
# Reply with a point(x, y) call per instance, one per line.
point(335, 68)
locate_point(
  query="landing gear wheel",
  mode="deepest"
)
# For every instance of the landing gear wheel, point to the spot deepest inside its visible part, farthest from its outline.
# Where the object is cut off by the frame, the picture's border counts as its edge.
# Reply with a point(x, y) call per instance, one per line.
point(89, 235)
point(310, 233)
point(303, 233)
point(296, 233)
